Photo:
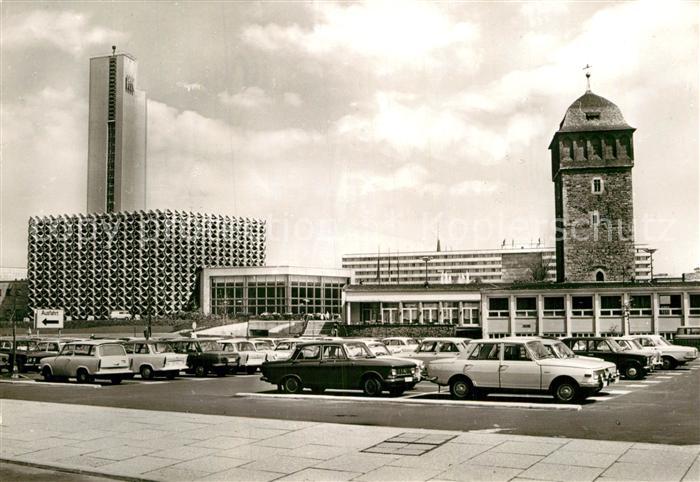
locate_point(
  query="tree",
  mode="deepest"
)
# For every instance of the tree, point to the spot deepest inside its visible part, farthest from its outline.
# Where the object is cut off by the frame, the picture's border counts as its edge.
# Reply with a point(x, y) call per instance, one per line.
point(538, 270)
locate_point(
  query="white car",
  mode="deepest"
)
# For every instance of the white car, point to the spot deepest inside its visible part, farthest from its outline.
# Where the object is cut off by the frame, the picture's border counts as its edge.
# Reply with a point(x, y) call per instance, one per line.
point(400, 344)
point(435, 348)
point(264, 345)
point(516, 365)
point(560, 350)
point(380, 350)
point(87, 361)
point(152, 358)
point(633, 344)
point(250, 358)
point(671, 355)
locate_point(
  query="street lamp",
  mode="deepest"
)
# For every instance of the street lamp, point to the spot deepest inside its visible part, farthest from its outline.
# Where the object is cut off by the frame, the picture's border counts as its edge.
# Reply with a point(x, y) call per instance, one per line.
point(426, 259)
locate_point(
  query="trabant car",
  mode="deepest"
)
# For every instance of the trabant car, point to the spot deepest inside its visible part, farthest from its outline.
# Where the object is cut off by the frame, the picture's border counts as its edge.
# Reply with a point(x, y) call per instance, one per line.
point(434, 348)
point(399, 344)
point(153, 358)
point(634, 366)
point(265, 346)
point(284, 349)
point(339, 365)
point(560, 350)
point(516, 365)
point(249, 359)
point(672, 355)
point(88, 360)
point(204, 356)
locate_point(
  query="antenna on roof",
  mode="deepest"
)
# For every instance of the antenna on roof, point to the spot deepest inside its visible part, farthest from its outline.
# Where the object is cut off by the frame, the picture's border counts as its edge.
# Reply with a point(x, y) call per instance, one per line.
point(588, 68)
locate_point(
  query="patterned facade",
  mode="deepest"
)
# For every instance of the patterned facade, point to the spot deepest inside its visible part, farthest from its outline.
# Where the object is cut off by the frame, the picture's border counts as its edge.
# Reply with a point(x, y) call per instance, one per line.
point(145, 262)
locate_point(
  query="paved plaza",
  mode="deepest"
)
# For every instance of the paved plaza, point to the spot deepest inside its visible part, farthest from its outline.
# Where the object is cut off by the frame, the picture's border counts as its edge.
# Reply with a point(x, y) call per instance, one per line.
point(152, 445)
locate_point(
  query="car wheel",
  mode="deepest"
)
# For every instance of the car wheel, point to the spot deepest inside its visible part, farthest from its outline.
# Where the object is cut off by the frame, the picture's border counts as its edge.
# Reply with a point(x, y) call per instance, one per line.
point(668, 363)
point(146, 372)
point(292, 385)
point(46, 373)
point(116, 380)
point(82, 376)
point(250, 370)
point(461, 388)
point(566, 391)
point(200, 371)
point(372, 386)
point(633, 372)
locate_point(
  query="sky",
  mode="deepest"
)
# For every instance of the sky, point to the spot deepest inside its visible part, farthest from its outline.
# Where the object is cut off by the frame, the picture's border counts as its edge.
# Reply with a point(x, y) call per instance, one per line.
point(357, 127)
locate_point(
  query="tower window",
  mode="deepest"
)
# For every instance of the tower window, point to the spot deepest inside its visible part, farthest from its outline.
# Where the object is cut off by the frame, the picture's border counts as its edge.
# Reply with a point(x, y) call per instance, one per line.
point(592, 115)
point(597, 185)
point(600, 276)
point(595, 218)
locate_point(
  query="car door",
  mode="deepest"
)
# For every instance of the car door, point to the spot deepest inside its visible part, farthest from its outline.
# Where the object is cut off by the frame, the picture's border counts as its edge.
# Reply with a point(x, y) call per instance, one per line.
point(307, 365)
point(483, 364)
point(59, 367)
point(447, 349)
point(334, 366)
point(602, 349)
point(518, 369)
point(426, 351)
point(82, 357)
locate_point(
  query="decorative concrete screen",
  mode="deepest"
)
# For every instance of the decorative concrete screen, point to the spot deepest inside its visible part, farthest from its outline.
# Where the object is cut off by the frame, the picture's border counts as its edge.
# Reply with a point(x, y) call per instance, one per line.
point(139, 262)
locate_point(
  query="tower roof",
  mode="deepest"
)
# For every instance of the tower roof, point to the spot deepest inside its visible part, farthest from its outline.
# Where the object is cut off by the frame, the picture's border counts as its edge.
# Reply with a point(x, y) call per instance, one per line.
point(591, 112)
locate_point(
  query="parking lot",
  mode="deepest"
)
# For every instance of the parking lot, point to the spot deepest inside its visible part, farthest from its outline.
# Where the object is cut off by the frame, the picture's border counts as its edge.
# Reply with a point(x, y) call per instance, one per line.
point(661, 408)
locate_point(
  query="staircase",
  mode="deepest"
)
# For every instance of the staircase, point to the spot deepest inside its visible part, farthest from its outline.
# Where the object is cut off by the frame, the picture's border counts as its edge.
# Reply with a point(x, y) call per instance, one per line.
point(319, 328)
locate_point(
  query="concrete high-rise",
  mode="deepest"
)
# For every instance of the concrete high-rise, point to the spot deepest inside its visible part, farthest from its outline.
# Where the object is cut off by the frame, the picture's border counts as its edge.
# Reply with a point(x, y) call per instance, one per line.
point(116, 136)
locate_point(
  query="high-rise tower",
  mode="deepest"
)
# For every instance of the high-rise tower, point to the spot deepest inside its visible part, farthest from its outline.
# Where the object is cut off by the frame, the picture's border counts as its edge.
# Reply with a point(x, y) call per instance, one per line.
point(116, 136)
point(592, 160)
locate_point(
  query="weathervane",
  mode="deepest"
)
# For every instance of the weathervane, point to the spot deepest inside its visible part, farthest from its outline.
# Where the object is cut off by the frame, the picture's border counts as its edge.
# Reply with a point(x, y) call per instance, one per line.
point(588, 68)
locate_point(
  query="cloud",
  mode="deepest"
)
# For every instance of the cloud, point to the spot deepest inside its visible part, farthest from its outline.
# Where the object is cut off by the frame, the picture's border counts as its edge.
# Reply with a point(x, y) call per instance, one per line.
point(68, 31)
point(248, 98)
point(417, 35)
point(293, 99)
point(473, 187)
point(189, 87)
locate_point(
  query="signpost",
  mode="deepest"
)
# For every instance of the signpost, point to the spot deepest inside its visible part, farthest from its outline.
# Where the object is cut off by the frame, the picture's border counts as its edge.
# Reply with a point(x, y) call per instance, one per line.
point(52, 319)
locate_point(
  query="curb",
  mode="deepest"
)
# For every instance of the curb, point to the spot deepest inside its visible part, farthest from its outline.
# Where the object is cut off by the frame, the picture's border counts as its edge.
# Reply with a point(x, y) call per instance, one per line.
point(48, 384)
point(413, 401)
point(71, 470)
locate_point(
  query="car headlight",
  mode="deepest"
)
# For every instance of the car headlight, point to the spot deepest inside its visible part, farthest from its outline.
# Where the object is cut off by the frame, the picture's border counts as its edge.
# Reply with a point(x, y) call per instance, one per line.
point(393, 372)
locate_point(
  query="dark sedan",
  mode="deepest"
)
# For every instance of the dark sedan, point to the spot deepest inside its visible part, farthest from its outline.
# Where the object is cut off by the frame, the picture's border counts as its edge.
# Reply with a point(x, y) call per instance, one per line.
point(631, 365)
point(341, 365)
point(205, 356)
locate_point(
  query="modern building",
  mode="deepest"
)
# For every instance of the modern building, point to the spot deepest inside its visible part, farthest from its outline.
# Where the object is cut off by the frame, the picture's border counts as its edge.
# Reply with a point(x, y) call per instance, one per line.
point(282, 290)
point(592, 160)
point(116, 136)
point(467, 266)
point(13, 299)
point(143, 263)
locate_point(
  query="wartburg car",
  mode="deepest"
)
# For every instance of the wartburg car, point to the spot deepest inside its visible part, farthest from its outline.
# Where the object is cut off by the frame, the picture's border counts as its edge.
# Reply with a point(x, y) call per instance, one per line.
point(672, 355)
point(634, 366)
point(516, 365)
point(205, 356)
point(87, 361)
point(340, 365)
point(153, 358)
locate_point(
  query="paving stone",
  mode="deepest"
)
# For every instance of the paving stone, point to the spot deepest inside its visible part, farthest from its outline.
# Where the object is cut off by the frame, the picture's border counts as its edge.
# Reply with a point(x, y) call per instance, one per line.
point(163, 443)
point(243, 475)
point(120, 453)
point(693, 473)
point(563, 473)
point(526, 448)
point(502, 459)
point(581, 459)
point(357, 462)
point(480, 473)
point(52, 454)
point(480, 438)
point(319, 475)
point(175, 473)
point(598, 446)
point(391, 474)
point(443, 457)
point(253, 452)
point(281, 464)
point(186, 452)
point(658, 456)
point(136, 466)
point(211, 464)
point(647, 472)
point(321, 452)
point(223, 442)
point(86, 434)
point(84, 461)
point(101, 443)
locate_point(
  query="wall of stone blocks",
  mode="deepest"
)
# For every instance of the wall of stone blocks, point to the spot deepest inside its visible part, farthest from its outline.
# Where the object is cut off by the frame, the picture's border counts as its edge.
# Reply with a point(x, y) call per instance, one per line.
point(143, 262)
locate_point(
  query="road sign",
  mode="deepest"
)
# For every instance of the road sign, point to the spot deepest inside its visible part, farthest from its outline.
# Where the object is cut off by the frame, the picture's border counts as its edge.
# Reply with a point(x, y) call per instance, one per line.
point(48, 319)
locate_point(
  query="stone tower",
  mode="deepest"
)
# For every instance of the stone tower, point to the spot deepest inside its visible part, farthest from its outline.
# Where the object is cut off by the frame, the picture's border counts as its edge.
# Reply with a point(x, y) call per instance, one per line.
point(592, 160)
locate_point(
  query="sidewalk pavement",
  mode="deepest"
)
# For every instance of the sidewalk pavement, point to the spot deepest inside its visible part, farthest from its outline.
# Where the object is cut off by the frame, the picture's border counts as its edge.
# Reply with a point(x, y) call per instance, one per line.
point(142, 444)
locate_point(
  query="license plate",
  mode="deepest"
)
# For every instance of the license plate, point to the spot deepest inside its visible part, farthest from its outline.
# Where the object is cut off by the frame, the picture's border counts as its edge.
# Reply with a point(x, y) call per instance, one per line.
point(408, 379)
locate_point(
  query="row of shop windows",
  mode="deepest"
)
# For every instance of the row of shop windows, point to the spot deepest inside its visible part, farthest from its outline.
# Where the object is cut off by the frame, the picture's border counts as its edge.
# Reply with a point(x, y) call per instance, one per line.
point(582, 306)
point(430, 313)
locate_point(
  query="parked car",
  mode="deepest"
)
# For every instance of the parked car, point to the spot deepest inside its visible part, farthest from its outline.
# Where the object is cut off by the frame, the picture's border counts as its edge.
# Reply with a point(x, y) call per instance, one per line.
point(632, 344)
point(340, 365)
point(560, 350)
point(265, 346)
point(30, 351)
point(205, 356)
point(284, 349)
point(434, 348)
point(153, 358)
point(88, 360)
point(516, 365)
point(687, 336)
point(249, 359)
point(400, 344)
point(631, 365)
point(379, 349)
point(672, 355)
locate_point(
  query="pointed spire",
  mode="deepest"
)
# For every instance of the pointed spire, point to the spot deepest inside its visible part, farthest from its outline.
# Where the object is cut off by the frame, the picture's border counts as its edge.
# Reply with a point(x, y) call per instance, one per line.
point(588, 68)
point(438, 239)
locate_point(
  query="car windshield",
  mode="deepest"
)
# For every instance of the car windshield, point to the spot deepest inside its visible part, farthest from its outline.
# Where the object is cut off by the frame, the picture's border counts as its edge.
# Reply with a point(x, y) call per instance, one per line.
point(358, 350)
point(560, 350)
point(662, 342)
point(623, 344)
point(618, 345)
point(538, 350)
point(245, 346)
point(263, 345)
point(209, 346)
point(112, 350)
point(379, 349)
